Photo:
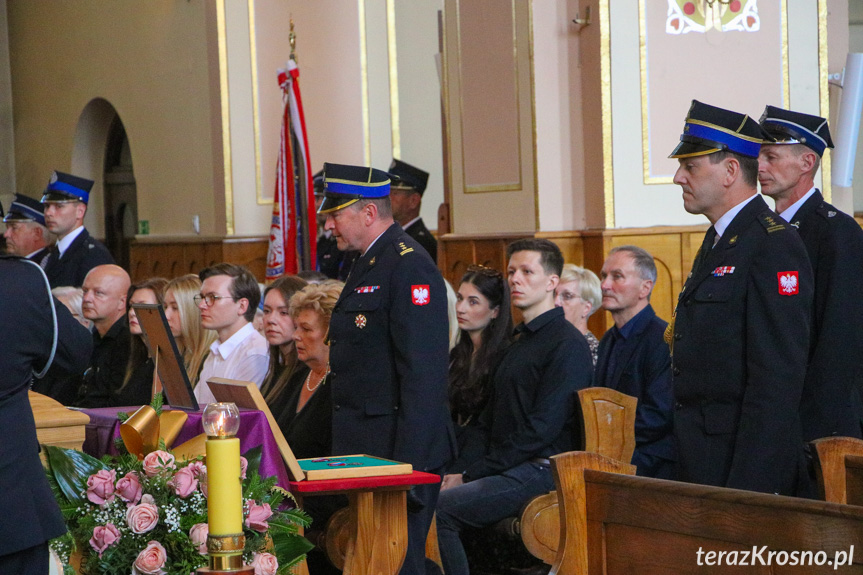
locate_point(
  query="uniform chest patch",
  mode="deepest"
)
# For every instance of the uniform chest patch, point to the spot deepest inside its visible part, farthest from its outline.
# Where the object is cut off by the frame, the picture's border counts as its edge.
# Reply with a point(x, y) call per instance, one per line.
point(788, 283)
point(360, 321)
point(722, 270)
point(367, 289)
point(420, 294)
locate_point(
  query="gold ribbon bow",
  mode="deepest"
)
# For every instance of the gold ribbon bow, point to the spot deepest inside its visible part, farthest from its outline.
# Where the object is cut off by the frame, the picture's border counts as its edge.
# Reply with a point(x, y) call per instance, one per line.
point(142, 432)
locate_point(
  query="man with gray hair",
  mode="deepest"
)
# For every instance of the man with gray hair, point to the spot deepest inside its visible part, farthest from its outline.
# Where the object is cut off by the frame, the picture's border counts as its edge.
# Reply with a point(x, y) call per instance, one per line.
point(634, 358)
point(26, 234)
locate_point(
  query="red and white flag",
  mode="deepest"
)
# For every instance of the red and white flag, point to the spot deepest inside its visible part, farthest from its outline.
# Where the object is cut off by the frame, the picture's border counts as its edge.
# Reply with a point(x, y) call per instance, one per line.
point(293, 229)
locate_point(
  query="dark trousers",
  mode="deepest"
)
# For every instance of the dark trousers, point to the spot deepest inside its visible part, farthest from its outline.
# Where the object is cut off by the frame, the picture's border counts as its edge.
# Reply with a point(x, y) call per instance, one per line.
point(422, 500)
point(30, 561)
point(484, 502)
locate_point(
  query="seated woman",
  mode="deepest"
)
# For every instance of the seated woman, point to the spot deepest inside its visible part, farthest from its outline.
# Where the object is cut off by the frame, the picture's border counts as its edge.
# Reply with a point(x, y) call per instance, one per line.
point(137, 385)
point(184, 319)
point(485, 330)
point(278, 328)
point(306, 418)
point(579, 294)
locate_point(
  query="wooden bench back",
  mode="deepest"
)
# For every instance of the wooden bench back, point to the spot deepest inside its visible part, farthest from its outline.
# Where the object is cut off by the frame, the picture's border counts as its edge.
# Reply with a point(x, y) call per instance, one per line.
point(652, 527)
point(568, 469)
point(609, 422)
point(609, 431)
point(831, 468)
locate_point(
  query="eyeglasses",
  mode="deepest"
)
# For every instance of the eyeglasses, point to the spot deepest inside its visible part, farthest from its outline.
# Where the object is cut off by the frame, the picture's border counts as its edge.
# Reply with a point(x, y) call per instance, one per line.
point(483, 270)
point(209, 299)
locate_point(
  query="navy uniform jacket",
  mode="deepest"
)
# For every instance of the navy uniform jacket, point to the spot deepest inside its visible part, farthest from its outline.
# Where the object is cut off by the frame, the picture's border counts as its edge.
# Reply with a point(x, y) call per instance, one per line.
point(389, 353)
point(834, 380)
point(424, 237)
point(643, 370)
point(30, 514)
point(739, 357)
point(40, 255)
point(80, 257)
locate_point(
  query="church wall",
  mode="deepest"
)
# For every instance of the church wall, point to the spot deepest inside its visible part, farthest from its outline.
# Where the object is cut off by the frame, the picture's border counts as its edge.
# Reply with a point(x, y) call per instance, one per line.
point(151, 62)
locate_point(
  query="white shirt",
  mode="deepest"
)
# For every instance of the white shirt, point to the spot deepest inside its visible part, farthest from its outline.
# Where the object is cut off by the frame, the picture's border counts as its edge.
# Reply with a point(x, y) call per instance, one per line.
point(722, 223)
point(63, 244)
point(244, 356)
point(410, 223)
point(791, 210)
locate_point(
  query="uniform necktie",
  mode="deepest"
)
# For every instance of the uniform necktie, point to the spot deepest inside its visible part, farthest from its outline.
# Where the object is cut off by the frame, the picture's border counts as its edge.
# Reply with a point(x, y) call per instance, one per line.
point(706, 246)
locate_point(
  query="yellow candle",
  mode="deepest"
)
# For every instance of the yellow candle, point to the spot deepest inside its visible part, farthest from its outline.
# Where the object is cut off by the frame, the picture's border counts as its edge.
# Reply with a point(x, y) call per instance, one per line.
point(224, 486)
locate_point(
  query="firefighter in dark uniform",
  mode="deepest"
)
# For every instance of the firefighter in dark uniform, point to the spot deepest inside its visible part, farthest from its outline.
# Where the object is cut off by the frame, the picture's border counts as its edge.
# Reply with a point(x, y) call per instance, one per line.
point(28, 334)
point(75, 252)
point(388, 343)
point(26, 234)
point(740, 333)
point(831, 402)
point(407, 189)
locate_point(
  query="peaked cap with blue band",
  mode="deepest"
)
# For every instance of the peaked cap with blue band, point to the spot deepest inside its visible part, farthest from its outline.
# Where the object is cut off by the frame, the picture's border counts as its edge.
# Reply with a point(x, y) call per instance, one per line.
point(408, 176)
point(64, 188)
point(345, 185)
point(709, 129)
point(787, 127)
point(25, 209)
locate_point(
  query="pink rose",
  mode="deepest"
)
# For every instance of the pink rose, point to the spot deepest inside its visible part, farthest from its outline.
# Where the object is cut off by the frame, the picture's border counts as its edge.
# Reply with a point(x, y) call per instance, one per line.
point(100, 487)
point(265, 564)
point(158, 462)
point(198, 535)
point(103, 537)
point(151, 560)
point(129, 488)
point(244, 465)
point(183, 483)
point(147, 498)
point(197, 468)
point(142, 518)
point(258, 515)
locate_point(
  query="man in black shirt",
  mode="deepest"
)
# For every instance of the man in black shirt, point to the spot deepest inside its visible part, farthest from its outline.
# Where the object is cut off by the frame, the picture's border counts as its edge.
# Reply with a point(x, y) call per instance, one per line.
point(105, 289)
point(531, 414)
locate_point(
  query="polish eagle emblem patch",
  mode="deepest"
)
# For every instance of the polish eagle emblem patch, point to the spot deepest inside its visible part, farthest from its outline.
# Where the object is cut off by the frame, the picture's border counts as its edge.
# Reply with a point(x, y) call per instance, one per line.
point(788, 283)
point(420, 294)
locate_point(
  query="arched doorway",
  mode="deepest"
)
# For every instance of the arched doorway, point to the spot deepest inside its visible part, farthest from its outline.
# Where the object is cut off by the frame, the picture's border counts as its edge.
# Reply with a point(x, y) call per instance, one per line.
point(102, 153)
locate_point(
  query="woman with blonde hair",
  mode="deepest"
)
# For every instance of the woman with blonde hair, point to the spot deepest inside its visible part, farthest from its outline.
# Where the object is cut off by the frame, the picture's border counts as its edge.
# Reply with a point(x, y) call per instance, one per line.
point(305, 416)
point(579, 294)
point(278, 328)
point(137, 387)
point(184, 319)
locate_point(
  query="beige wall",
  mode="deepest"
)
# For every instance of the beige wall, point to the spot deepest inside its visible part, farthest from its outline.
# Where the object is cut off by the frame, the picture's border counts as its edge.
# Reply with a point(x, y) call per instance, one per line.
point(150, 61)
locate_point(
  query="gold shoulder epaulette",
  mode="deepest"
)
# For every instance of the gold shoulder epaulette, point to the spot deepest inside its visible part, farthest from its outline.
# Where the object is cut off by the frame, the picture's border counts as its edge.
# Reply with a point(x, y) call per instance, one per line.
point(772, 222)
point(403, 249)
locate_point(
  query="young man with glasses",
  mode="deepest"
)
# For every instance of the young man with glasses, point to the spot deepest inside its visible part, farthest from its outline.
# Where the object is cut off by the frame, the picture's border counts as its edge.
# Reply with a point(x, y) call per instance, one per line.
point(228, 300)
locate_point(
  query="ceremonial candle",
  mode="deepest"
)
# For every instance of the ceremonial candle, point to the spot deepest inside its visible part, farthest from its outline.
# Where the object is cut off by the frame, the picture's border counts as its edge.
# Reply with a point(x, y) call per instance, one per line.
point(224, 487)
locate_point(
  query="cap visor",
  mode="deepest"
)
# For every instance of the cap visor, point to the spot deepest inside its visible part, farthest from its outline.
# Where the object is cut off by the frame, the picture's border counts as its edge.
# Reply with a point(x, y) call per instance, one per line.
point(333, 204)
point(54, 197)
point(690, 150)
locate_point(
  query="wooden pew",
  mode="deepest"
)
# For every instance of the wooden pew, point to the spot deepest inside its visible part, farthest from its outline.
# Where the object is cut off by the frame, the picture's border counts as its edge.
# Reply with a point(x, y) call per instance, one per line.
point(608, 417)
point(833, 471)
point(653, 527)
point(854, 479)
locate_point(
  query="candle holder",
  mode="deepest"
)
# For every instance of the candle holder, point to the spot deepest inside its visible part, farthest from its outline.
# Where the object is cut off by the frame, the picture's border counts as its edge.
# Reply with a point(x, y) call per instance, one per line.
point(225, 541)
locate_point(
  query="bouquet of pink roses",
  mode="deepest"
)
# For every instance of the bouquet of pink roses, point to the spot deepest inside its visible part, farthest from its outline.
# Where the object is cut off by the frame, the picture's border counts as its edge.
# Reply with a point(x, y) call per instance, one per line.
point(150, 517)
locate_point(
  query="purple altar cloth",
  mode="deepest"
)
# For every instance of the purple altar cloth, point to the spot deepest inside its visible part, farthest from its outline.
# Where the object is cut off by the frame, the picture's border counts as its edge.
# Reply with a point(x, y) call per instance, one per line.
point(104, 428)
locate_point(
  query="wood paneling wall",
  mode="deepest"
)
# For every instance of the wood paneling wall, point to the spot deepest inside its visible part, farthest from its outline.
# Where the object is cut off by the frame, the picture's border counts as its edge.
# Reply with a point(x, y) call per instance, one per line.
point(673, 248)
point(170, 258)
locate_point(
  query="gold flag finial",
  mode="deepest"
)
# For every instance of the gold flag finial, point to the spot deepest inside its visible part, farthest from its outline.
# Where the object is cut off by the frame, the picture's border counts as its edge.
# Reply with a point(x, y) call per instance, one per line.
point(292, 40)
